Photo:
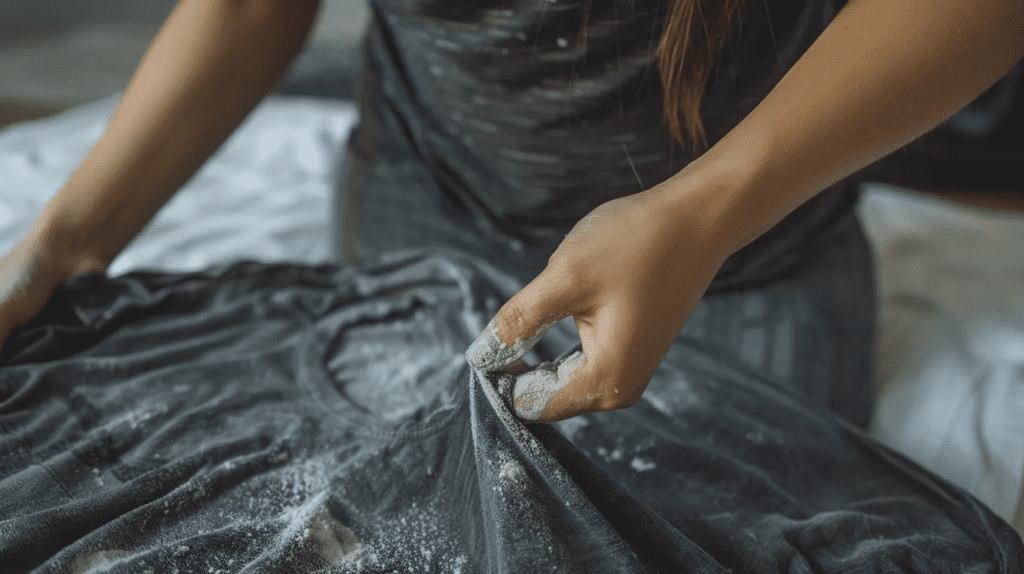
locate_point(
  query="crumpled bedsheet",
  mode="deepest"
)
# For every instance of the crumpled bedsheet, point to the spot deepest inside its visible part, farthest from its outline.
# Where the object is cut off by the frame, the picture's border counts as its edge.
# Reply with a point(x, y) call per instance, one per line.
point(265, 195)
point(949, 368)
point(291, 418)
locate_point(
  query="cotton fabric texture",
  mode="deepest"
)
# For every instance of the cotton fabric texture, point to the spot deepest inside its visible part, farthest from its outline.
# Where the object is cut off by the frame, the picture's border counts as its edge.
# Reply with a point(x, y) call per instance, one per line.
point(494, 127)
point(290, 418)
point(323, 419)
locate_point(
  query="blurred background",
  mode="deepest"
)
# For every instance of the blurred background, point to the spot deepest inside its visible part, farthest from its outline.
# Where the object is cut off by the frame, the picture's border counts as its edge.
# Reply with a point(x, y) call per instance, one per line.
point(57, 54)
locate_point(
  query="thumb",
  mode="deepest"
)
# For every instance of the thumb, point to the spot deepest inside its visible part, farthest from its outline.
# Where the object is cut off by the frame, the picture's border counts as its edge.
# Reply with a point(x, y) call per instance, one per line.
point(519, 325)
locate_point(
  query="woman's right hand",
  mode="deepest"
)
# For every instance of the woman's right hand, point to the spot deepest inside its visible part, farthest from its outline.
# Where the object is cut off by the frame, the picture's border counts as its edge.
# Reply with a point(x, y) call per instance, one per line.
point(29, 274)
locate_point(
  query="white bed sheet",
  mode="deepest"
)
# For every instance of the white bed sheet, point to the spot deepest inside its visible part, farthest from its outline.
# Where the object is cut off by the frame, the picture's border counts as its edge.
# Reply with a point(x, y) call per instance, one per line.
point(950, 359)
point(265, 195)
point(949, 369)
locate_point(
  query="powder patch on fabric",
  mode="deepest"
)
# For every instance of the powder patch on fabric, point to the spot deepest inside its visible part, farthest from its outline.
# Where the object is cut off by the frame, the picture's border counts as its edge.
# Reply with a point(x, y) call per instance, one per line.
point(573, 428)
point(84, 564)
point(642, 464)
point(323, 541)
point(512, 471)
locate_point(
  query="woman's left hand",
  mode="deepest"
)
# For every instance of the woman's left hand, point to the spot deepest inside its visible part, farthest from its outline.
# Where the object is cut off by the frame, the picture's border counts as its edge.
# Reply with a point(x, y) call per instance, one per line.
point(630, 273)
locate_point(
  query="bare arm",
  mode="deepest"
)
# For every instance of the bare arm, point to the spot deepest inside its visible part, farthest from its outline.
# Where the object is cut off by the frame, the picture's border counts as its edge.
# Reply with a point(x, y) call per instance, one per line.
point(207, 68)
point(883, 73)
point(631, 271)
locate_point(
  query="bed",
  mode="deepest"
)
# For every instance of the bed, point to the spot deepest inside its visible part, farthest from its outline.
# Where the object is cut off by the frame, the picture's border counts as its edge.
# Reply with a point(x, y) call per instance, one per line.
point(949, 376)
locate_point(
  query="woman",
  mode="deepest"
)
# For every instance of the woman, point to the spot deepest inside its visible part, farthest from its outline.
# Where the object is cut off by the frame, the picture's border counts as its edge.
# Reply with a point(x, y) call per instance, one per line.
point(531, 136)
point(738, 273)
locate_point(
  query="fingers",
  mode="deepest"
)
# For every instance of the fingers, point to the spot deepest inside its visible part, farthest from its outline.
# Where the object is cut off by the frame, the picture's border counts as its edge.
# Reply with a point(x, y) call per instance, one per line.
point(517, 368)
point(609, 370)
point(534, 389)
point(570, 386)
point(519, 325)
point(587, 379)
point(490, 353)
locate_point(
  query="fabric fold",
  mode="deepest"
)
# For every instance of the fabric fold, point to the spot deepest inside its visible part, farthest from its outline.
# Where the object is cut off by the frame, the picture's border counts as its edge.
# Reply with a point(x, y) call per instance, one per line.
point(289, 418)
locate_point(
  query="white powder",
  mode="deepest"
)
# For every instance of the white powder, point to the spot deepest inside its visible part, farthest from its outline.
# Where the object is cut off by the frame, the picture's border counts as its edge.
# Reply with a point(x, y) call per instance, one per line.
point(512, 471)
point(553, 472)
point(136, 417)
point(642, 464)
point(489, 353)
point(316, 539)
point(84, 564)
point(534, 389)
point(614, 455)
point(419, 537)
point(405, 370)
point(573, 428)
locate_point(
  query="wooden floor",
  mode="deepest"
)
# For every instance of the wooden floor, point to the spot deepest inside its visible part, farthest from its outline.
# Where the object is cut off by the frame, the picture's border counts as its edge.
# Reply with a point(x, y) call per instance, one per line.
point(12, 112)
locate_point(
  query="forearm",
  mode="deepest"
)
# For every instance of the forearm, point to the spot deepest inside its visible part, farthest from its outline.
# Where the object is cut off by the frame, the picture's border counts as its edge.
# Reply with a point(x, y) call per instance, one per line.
point(883, 73)
point(210, 64)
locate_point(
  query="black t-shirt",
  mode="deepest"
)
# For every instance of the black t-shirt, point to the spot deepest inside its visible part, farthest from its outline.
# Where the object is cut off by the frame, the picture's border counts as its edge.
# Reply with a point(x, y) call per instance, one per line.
point(321, 419)
point(525, 123)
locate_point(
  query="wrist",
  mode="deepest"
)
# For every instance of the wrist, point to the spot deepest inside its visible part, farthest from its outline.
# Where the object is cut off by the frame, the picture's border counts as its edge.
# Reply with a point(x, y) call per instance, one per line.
point(61, 242)
point(718, 197)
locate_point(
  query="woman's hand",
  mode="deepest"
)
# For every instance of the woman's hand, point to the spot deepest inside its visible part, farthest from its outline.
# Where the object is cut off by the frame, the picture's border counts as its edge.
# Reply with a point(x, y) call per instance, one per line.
point(29, 273)
point(630, 273)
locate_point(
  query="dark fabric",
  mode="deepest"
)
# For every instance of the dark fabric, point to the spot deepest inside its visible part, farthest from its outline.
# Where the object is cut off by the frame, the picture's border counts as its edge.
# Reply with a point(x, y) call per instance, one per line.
point(323, 419)
point(981, 147)
point(323, 70)
point(504, 124)
point(507, 120)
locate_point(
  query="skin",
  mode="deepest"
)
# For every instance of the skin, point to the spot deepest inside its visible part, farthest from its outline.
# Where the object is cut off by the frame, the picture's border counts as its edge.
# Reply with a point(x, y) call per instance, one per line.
point(20, 270)
point(207, 68)
point(883, 73)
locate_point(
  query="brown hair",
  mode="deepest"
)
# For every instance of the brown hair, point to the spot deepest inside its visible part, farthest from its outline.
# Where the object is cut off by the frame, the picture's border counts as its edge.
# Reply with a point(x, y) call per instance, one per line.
point(694, 33)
